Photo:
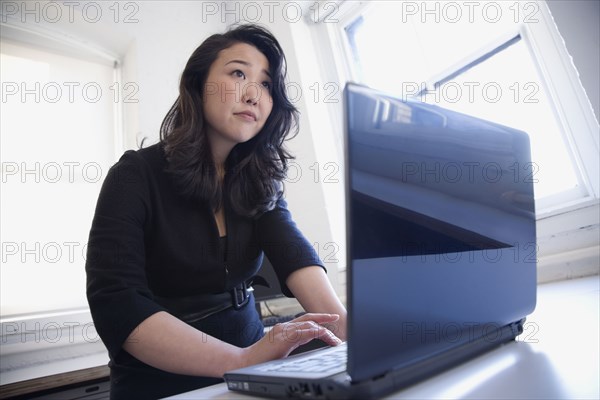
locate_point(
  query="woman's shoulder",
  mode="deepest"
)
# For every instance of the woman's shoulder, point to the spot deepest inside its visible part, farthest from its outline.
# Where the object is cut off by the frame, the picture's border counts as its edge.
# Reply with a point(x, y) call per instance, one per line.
point(137, 166)
point(151, 155)
point(145, 160)
point(279, 213)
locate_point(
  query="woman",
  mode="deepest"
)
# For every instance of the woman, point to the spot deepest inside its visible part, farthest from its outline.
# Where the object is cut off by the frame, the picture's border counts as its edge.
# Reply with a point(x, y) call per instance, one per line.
point(181, 226)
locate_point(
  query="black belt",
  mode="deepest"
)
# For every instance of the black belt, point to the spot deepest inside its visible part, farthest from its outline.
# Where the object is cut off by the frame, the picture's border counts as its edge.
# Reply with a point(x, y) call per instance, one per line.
point(194, 308)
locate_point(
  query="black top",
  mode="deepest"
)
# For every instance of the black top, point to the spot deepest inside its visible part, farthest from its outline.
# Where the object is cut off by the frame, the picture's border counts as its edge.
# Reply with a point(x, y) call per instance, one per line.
point(146, 240)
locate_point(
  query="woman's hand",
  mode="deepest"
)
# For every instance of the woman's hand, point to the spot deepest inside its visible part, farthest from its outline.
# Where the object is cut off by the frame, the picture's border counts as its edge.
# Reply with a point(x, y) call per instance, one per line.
point(283, 338)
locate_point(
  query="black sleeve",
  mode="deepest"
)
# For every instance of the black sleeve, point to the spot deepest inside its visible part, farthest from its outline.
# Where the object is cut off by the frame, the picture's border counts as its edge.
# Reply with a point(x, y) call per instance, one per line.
point(284, 245)
point(117, 288)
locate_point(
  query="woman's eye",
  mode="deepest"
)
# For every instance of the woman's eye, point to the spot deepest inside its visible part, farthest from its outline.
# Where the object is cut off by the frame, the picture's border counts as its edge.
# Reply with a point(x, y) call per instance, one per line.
point(239, 73)
point(267, 85)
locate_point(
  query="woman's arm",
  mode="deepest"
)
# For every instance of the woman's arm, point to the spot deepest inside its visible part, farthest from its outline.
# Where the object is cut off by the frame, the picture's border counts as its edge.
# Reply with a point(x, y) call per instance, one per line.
point(313, 290)
point(167, 343)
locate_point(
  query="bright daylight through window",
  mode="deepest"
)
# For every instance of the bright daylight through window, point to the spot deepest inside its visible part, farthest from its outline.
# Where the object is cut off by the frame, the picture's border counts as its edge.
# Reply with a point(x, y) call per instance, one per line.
point(473, 62)
point(57, 144)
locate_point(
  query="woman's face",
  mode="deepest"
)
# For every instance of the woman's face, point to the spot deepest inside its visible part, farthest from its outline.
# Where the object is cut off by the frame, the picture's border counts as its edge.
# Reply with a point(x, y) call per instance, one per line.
point(237, 97)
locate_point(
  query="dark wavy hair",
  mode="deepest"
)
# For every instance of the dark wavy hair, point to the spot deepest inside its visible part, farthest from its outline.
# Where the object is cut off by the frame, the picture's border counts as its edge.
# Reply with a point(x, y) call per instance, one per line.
point(255, 169)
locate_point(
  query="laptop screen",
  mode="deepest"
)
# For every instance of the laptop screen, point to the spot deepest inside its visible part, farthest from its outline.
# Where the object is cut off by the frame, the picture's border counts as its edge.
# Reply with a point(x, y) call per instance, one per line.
point(441, 229)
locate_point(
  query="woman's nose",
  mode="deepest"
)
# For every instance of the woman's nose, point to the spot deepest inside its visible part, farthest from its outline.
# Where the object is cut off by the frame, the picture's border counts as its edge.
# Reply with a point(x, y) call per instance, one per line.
point(251, 93)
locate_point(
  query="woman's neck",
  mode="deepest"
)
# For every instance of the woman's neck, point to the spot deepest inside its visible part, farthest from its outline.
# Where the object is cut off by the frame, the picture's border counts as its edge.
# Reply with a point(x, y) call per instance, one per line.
point(220, 149)
point(220, 171)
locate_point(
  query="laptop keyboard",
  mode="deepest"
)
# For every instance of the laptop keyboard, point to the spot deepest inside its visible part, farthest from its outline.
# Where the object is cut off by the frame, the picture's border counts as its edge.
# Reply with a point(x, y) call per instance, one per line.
point(321, 362)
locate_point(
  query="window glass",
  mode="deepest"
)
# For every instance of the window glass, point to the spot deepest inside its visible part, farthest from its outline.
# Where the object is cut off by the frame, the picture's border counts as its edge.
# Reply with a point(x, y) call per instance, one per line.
point(506, 89)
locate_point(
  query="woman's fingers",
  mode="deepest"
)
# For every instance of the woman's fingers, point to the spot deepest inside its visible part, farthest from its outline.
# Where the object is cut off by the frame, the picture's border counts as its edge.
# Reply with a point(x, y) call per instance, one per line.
point(321, 333)
point(326, 320)
point(283, 338)
point(295, 333)
point(318, 318)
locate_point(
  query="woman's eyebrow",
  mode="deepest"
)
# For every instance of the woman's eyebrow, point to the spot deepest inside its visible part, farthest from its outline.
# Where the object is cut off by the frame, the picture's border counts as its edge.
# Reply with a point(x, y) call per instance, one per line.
point(247, 64)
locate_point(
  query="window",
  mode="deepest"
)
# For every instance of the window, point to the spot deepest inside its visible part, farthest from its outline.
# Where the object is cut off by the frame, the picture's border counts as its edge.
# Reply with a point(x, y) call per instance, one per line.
point(59, 137)
point(484, 59)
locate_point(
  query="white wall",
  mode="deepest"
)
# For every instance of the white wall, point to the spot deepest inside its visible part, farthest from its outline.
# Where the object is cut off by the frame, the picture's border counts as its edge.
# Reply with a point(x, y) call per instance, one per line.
point(163, 40)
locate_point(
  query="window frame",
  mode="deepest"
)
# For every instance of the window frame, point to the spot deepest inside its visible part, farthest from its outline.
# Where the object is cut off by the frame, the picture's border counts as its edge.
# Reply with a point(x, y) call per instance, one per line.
point(572, 109)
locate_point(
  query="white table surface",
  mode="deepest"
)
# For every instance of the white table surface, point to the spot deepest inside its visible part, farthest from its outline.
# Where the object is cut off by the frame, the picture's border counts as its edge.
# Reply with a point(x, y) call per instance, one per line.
point(557, 356)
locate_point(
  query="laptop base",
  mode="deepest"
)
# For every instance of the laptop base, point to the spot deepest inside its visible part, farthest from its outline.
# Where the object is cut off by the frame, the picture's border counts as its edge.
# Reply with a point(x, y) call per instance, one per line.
point(340, 386)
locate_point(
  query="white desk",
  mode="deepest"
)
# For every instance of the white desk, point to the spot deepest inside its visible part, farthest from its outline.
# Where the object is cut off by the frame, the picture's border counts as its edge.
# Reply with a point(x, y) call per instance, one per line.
point(556, 356)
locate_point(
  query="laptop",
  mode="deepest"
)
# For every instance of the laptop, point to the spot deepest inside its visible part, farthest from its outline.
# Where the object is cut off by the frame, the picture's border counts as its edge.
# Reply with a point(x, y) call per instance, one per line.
point(441, 250)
